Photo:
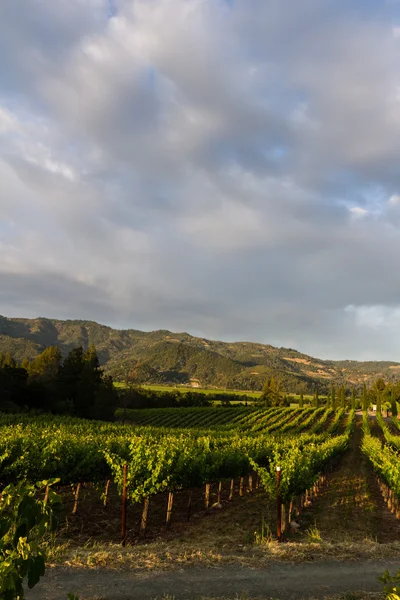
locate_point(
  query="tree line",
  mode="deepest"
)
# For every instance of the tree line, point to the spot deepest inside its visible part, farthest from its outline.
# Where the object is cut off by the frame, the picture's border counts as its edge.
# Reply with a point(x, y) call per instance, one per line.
point(384, 396)
point(74, 385)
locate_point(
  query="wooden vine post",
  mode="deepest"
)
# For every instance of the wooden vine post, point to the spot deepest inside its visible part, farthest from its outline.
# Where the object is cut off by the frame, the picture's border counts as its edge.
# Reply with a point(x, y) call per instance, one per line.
point(207, 497)
point(124, 506)
point(241, 486)
point(189, 506)
point(169, 509)
point(219, 492)
point(46, 495)
point(106, 492)
point(250, 482)
point(278, 505)
point(231, 489)
point(145, 516)
point(76, 499)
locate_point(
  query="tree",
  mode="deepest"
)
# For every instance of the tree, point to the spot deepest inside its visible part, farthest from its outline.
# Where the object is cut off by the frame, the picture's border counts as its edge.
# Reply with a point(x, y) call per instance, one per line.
point(69, 380)
point(13, 387)
point(105, 400)
point(393, 402)
point(342, 396)
point(353, 399)
point(378, 402)
point(377, 393)
point(333, 396)
point(365, 398)
point(47, 365)
point(301, 401)
point(271, 394)
point(9, 361)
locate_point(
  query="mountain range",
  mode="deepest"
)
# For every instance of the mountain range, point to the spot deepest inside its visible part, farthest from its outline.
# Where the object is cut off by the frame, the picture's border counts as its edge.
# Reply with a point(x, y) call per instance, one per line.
point(165, 357)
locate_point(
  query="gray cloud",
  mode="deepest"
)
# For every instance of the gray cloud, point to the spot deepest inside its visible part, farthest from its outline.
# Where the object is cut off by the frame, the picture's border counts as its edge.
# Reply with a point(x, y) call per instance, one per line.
point(230, 169)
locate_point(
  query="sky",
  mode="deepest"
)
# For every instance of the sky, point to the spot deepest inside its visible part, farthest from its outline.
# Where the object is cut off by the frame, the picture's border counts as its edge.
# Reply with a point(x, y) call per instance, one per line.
point(230, 168)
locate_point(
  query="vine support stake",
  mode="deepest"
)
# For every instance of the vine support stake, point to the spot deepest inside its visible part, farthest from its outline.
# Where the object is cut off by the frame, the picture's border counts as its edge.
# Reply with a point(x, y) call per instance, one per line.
point(46, 495)
point(219, 492)
point(124, 505)
point(106, 492)
point(145, 516)
point(76, 499)
point(189, 506)
point(278, 505)
point(169, 509)
point(207, 497)
point(250, 482)
point(231, 490)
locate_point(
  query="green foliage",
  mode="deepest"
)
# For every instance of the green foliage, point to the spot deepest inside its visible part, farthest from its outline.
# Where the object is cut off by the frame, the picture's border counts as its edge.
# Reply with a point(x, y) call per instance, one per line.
point(271, 393)
point(47, 365)
point(300, 465)
point(76, 385)
point(384, 458)
point(218, 446)
point(313, 535)
point(353, 399)
point(333, 396)
point(393, 403)
point(341, 397)
point(365, 398)
point(24, 521)
point(392, 585)
point(138, 397)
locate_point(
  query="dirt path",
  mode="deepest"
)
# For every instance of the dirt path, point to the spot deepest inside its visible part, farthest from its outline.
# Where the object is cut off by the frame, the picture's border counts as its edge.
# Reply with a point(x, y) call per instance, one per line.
point(350, 507)
point(283, 581)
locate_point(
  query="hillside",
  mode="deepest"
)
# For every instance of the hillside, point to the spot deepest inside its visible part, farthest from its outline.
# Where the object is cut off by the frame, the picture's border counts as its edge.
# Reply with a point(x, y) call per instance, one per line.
point(165, 357)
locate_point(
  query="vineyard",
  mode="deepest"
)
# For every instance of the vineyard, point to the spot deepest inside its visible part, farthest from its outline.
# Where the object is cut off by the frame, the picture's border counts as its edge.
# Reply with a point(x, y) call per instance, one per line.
point(168, 451)
point(185, 461)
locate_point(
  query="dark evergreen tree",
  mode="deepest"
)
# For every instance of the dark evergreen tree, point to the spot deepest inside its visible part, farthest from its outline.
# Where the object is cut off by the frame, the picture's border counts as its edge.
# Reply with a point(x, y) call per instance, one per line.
point(365, 398)
point(393, 402)
point(333, 396)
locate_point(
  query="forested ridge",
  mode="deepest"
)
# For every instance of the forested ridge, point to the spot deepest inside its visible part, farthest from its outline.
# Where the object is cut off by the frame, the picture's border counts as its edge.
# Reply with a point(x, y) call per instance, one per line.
point(165, 357)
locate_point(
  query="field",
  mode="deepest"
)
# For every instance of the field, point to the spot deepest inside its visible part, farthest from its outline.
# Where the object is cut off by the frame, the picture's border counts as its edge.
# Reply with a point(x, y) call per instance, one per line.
point(202, 489)
point(209, 391)
point(183, 389)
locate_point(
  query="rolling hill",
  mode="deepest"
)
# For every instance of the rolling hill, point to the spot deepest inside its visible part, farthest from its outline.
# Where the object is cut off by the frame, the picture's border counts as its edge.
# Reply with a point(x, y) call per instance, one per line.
point(165, 357)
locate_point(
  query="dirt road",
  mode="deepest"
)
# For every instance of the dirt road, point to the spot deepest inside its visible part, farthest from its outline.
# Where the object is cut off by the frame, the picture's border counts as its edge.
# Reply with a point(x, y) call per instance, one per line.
point(282, 581)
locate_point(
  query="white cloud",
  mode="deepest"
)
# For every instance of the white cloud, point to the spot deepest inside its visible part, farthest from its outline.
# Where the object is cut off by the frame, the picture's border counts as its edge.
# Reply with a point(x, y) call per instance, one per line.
point(359, 212)
point(394, 200)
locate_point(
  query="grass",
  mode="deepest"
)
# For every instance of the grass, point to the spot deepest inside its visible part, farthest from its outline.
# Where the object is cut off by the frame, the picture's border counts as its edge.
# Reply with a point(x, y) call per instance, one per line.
point(183, 389)
point(313, 534)
point(209, 391)
point(170, 555)
point(242, 533)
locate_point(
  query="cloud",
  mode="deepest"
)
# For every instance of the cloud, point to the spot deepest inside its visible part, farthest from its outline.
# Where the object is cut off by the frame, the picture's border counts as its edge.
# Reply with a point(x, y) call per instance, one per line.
point(222, 168)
